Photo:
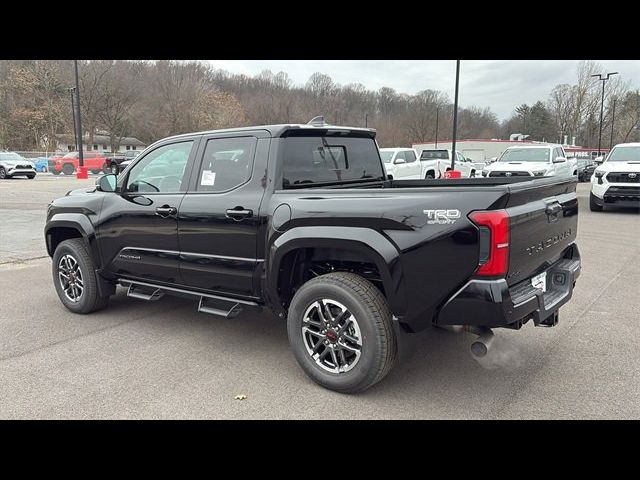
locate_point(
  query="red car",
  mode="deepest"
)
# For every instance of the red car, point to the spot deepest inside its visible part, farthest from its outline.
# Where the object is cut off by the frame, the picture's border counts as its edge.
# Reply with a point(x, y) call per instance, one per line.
point(94, 161)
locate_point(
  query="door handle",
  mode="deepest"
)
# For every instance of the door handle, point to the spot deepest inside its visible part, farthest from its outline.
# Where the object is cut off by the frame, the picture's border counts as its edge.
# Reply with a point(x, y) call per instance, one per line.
point(166, 211)
point(239, 213)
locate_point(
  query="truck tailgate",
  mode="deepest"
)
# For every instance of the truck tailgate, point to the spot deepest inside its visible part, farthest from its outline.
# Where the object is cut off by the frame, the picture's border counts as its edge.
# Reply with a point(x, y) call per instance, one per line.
point(543, 223)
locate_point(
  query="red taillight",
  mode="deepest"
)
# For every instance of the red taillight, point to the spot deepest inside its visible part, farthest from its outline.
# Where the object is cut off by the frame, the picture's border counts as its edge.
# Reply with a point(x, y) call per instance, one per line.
point(497, 222)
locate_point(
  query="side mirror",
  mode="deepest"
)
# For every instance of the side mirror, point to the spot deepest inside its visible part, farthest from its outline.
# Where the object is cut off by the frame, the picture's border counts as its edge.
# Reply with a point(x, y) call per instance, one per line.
point(107, 183)
point(559, 160)
point(398, 161)
point(598, 160)
point(493, 159)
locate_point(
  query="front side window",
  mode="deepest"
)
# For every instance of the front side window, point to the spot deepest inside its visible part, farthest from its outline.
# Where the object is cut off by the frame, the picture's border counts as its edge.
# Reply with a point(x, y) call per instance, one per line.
point(161, 171)
point(400, 156)
point(409, 156)
point(624, 154)
point(226, 164)
point(525, 155)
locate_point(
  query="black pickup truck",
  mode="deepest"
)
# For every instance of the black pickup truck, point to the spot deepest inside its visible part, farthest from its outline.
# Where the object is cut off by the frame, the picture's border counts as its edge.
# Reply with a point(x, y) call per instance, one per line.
point(116, 162)
point(302, 219)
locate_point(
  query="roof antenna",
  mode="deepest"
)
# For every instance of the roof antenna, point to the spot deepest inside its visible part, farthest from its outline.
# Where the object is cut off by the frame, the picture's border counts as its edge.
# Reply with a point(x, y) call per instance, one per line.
point(317, 121)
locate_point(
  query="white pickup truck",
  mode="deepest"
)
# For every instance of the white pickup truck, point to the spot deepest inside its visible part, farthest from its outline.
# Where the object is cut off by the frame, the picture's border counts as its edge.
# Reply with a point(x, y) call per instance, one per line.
point(616, 182)
point(532, 161)
point(436, 162)
point(401, 163)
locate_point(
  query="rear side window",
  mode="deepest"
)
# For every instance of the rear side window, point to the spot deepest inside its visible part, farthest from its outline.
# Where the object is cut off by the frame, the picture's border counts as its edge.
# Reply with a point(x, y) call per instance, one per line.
point(226, 164)
point(329, 160)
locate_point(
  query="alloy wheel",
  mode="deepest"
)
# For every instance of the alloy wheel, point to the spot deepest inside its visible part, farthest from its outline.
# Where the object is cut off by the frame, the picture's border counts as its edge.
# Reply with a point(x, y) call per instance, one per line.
point(332, 336)
point(70, 277)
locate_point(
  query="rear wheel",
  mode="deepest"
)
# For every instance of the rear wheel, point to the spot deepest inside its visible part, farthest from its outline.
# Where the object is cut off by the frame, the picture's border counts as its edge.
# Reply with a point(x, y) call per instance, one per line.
point(68, 169)
point(74, 277)
point(55, 172)
point(340, 331)
point(430, 175)
point(593, 205)
point(3, 173)
point(96, 171)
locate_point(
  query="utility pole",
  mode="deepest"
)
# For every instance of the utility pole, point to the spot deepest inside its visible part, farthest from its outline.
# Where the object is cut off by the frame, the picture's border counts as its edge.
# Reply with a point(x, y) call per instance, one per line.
point(437, 114)
point(455, 118)
point(613, 119)
point(603, 80)
point(366, 120)
point(79, 130)
point(73, 112)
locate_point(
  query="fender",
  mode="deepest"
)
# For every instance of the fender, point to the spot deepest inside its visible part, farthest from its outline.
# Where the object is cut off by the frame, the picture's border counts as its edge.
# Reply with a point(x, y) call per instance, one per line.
point(79, 222)
point(365, 241)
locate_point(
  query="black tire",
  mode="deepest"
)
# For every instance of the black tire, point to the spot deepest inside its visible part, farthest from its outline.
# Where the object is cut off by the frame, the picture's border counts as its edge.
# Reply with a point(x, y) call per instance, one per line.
point(96, 171)
point(89, 300)
point(593, 205)
point(56, 172)
point(369, 307)
point(68, 169)
point(3, 173)
point(473, 174)
point(31, 177)
point(429, 176)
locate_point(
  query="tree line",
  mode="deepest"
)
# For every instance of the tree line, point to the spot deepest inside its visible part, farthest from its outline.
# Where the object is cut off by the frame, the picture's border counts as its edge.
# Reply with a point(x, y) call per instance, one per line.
point(152, 100)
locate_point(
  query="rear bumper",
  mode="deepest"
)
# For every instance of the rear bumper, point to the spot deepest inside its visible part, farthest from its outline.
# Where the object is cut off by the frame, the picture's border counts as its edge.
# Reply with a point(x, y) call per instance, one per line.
point(492, 303)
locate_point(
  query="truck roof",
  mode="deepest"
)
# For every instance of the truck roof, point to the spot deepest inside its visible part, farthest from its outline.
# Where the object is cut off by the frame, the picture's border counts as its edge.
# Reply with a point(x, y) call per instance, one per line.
point(281, 129)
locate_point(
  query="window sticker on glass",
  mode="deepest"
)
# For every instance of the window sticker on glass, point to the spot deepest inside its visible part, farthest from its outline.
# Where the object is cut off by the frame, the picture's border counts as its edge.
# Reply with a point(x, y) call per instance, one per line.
point(208, 178)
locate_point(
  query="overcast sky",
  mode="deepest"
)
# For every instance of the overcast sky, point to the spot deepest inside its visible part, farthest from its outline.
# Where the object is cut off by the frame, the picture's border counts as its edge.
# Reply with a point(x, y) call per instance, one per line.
point(499, 84)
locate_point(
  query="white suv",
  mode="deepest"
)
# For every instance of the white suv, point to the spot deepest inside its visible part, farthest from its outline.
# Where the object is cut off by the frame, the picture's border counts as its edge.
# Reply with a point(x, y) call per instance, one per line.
point(401, 163)
point(532, 161)
point(617, 180)
point(437, 161)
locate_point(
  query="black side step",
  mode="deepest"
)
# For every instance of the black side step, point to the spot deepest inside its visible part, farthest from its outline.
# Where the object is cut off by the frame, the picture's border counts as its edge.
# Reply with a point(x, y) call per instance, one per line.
point(227, 309)
point(144, 293)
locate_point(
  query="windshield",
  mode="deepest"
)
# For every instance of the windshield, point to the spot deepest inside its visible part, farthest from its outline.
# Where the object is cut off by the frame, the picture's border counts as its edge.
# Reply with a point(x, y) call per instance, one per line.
point(10, 156)
point(434, 155)
point(624, 154)
point(525, 155)
point(71, 155)
point(386, 155)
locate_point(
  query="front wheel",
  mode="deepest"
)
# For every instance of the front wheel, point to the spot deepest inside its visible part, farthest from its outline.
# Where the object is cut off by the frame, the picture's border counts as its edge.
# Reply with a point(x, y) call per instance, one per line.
point(68, 169)
point(429, 176)
point(340, 331)
point(31, 177)
point(3, 173)
point(74, 277)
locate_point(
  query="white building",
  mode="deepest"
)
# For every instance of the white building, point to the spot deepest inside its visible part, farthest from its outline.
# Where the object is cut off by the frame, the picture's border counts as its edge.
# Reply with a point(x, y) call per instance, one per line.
point(478, 150)
point(101, 143)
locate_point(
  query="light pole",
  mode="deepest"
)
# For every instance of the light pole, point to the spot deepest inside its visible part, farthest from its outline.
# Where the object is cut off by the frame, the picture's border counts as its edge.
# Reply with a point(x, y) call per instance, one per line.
point(437, 114)
point(455, 118)
point(603, 80)
point(72, 91)
point(79, 132)
point(613, 119)
point(366, 120)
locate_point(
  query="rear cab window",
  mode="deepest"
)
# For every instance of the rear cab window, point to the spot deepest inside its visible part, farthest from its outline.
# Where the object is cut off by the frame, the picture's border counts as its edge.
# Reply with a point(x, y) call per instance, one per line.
point(434, 155)
point(319, 159)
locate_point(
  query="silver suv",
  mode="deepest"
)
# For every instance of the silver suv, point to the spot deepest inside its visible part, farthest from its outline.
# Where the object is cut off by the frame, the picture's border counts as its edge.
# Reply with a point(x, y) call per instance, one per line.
point(14, 165)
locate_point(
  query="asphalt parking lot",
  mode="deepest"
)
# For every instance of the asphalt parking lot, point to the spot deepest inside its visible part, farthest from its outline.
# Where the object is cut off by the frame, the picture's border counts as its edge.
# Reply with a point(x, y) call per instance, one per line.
point(163, 359)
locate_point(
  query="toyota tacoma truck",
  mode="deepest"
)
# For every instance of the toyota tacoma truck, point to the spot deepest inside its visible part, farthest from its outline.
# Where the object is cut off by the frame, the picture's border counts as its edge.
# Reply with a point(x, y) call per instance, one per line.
point(303, 221)
point(616, 181)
